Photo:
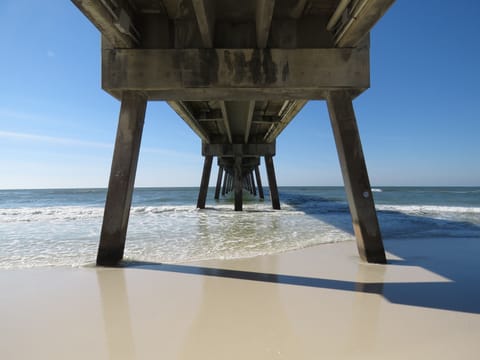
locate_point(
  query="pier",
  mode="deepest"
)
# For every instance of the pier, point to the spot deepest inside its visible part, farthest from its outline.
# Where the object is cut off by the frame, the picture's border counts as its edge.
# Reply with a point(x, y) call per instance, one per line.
point(237, 72)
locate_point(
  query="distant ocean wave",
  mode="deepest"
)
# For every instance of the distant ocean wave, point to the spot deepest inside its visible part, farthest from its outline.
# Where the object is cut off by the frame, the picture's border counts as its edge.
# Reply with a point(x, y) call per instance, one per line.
point(429, 209)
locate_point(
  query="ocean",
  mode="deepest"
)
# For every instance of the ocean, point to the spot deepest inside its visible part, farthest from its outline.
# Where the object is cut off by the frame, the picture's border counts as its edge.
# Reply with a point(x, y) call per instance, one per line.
point(61, 227)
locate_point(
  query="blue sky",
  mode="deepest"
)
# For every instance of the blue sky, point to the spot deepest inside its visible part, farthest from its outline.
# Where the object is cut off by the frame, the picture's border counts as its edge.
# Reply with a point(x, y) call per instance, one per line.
point(419, 122)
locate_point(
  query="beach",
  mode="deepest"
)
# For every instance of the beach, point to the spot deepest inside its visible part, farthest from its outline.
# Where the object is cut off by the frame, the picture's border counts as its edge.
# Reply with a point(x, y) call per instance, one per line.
point(297, 290)
point(305, 304)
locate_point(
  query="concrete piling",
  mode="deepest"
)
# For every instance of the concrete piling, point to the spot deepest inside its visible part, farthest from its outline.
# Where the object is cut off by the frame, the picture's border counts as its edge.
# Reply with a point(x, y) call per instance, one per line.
point(355, 176)
point(122, 179)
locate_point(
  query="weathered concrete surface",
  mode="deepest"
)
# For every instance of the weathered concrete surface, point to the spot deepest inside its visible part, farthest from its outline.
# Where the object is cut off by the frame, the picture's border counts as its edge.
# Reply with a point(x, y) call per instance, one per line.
point(259, 183)
point(122, 178)
point(207, 168)
point(355, 177)
point(272, 182)
point(231, 74)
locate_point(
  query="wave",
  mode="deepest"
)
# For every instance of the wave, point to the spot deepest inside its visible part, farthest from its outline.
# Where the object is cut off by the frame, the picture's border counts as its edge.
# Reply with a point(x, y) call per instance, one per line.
point(425, 209)
point(72, 213)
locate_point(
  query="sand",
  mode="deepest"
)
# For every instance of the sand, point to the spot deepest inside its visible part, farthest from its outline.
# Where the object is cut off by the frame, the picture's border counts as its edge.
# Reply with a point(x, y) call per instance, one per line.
point(315, 303)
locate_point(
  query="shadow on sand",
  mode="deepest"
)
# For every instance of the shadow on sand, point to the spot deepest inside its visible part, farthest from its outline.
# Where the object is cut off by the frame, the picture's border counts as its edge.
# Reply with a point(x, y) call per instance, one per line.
point(455, 259)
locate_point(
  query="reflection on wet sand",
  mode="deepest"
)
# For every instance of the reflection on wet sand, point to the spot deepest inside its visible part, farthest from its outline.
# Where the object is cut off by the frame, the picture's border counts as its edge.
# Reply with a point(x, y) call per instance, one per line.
point(116, 313)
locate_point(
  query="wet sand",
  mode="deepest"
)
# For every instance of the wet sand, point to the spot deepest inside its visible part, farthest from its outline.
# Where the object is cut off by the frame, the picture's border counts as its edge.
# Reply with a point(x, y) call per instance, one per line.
point(320, 302)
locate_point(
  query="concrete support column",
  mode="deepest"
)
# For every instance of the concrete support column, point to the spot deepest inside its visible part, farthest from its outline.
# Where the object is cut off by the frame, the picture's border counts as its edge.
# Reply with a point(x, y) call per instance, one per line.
point(238, 184)
point(272, 182)
point(252, 181)
point(224, 186)
point(230, 183)
point(355, 177)
point(122, 178)
point(259, 183)
point(219, 182)
point(247, 182)
point(202, 195)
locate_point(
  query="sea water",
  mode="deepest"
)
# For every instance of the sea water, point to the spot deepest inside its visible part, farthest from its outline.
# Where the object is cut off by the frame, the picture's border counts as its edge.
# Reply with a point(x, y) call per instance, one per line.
point(61, 227)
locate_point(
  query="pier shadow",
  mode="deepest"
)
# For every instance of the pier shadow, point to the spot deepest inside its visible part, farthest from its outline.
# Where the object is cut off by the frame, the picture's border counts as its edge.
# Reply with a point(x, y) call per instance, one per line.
point(454, 259)
point(431, 244)
point(455, 294)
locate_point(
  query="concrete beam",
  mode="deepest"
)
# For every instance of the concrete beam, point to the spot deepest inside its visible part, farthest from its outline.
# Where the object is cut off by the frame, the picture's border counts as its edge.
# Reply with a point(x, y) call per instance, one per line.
point(122, 179)
point(361, 19)
point(190, 119)
point(223, 107)
point(355, 177)
point(299, 8)
point(222, 74)
point(263, 21)
point(291, 110)
point(244, 150)
point(247, 162)
point(248, 122)
point(107, 20)
point(204, 12)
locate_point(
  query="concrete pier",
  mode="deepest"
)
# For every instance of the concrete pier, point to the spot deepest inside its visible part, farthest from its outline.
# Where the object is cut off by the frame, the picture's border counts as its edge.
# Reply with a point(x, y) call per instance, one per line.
point(272, 183)
point(207, 168)
point(238, 183)
point(219, 182)
point(355, 176)
point(237, 73)
point(122, 179)
point(259, 183)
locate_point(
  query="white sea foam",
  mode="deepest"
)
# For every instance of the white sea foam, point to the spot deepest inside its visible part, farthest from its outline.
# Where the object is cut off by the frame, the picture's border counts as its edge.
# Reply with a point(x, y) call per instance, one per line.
point(425, 209)
point(68, 235)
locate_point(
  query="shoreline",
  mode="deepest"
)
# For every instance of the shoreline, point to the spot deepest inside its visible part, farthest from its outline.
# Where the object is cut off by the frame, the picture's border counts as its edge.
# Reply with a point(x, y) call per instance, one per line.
point(318, 301)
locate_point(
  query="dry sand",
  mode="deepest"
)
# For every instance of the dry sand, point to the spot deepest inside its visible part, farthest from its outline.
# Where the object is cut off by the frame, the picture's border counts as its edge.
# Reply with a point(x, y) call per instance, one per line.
point(316, 303)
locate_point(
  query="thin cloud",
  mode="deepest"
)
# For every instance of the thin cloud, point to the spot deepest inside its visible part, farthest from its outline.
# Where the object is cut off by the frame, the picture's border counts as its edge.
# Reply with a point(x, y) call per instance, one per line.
point(50, 53)
point(7, 114)
point(52, 139)
point(91, 144)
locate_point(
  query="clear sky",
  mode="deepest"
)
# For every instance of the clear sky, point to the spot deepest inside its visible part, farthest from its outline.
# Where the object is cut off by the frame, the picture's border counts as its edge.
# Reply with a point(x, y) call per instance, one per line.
point(419, 122)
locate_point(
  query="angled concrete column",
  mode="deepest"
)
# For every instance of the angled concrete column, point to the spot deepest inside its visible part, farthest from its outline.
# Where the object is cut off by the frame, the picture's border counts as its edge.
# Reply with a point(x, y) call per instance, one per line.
point(259, 183)
point(202, 195)
point(248, 184)
point(219, 182)
point(122, 179)
point(238, 184)
point(355, 177)
point(272, 182)
point(224, 186)
point(252, 181)
point(230, 183)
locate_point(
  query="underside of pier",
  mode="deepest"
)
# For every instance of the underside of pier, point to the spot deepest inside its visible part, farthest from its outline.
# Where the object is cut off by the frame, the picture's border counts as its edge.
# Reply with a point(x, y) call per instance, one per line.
point(237, 72)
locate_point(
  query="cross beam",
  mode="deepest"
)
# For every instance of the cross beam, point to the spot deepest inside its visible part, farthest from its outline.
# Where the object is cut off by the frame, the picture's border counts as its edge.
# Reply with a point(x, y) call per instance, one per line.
point(234, 74)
